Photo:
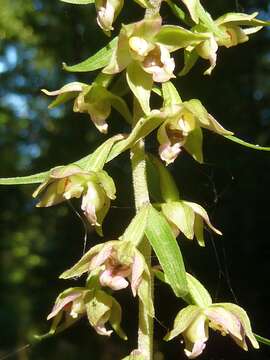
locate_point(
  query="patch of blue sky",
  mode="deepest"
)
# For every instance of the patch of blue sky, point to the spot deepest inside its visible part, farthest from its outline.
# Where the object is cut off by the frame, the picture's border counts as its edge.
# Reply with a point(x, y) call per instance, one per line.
point(18, 103)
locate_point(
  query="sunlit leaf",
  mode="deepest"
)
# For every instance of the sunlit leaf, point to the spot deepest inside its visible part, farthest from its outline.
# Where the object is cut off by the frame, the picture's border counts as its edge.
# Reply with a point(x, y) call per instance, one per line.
point(135, 230)
point(79, 2)
point(163, 241)
point(96, 61)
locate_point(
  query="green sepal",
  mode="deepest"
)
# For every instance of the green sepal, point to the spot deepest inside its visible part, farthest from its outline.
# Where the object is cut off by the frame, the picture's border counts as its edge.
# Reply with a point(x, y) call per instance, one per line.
point(167, 251)
point(170, 94)
point(244, 143)
point(140, 84)
point(244, 319)
point(182, 321)
point(176, 37)
point(193, 8)
point(179, 13)
point(115, 319)
point(194, 144)
point(96, 61)
point(143, 128)
point(190, 59)
point(82, 266)
point(135, 230)
point(180, 215)
point(79, 2)
point(241, 19)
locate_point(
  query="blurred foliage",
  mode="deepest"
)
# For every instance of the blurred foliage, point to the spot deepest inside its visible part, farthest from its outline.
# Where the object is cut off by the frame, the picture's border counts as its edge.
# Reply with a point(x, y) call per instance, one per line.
point(38, 244)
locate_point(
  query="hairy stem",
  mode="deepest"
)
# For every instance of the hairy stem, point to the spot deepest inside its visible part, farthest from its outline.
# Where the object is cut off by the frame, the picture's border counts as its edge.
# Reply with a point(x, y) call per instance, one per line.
point(138, 163)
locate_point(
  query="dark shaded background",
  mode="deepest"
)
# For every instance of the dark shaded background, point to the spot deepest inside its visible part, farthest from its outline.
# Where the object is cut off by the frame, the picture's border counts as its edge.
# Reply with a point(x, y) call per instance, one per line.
point(36, 245)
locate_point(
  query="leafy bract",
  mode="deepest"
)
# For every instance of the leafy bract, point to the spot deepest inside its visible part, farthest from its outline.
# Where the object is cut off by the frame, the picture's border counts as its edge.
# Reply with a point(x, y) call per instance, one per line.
point(244, 143)
point(96, 61)
point(135, 230)
point(91, 162)
point(163, 241)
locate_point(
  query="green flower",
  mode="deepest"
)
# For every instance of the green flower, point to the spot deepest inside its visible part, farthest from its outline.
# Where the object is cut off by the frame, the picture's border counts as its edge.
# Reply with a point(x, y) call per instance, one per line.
point(182, 129)
point(137, 43)
point(66, 182)
point(194, 321)
point(228, 30)
point(107, 12)
point(99, 307)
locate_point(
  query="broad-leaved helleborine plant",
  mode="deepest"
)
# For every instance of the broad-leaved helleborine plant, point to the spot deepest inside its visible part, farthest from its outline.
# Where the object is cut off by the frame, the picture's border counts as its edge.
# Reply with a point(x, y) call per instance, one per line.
point(142, 59)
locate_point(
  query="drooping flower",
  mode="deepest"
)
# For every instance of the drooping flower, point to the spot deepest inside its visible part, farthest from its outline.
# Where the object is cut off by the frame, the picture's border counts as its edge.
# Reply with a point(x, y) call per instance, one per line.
point(65, 182)
point(137, 43)
point(183, 129)
point(117, 263)
point(188, 218)
point(107, 12)
point(99, 307)
point(93, 99)
point(194, 321)
point(228, 30)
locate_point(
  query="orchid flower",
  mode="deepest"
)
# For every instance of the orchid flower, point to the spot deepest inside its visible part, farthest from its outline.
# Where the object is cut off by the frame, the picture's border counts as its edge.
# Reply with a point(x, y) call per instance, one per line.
point(66, 182)
point(194, 321)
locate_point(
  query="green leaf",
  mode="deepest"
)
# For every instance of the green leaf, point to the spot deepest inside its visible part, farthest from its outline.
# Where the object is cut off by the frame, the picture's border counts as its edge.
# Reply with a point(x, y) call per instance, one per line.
point(262, 340)
point(244, 143)
point(153, 180)
point(163, 241)
point(135, 230)
point(198, 292)
point(23, 180)
point(143, 128)
point(79, 2)
point(176, 37)
point(170, 94)
point(97, 61)
point(140, 84)
point(98, 158)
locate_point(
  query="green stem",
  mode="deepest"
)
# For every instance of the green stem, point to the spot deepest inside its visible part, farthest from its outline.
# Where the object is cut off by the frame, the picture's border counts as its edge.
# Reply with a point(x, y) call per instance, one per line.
point(138, 163)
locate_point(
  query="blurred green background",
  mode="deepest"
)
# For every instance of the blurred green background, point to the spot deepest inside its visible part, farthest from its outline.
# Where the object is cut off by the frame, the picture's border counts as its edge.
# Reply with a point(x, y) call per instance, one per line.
point(36, 245)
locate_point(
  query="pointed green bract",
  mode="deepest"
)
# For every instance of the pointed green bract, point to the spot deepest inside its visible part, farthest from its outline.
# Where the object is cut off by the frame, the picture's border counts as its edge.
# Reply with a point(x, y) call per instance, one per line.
point(198, 292)
point(143, 128)
point(135, 230)
point(262, 339)
point(170, 94)
point(140, 84)
point(163, 241)
point(193, 8)
point(24, 180)
point(95, 62)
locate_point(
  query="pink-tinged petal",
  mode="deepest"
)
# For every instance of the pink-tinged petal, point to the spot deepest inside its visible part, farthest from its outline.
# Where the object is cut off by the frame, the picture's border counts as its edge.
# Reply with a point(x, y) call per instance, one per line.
point(136, 275)
point(115, 282)
point(196, 350)
point(169, 153)
point(62, 303)
point(224, 321)
point(101, 257)
point(101, 330)
point(65, 171)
